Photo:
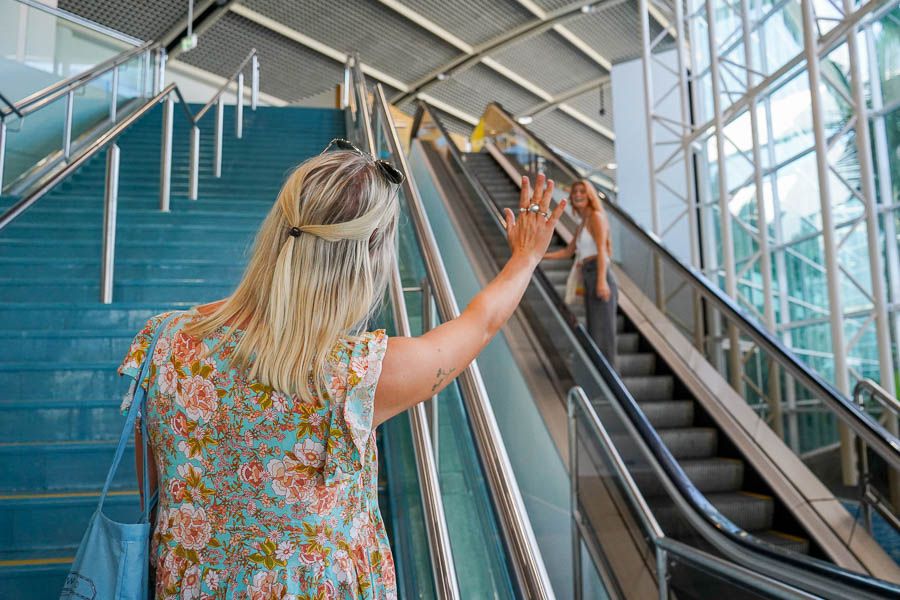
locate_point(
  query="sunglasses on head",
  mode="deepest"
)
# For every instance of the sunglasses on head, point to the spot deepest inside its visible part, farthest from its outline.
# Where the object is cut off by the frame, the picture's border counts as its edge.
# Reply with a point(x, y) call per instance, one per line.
point(391, 173)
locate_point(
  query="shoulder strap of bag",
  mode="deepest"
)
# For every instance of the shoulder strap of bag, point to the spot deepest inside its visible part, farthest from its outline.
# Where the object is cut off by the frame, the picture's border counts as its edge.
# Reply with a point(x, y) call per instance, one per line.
point(137, 403)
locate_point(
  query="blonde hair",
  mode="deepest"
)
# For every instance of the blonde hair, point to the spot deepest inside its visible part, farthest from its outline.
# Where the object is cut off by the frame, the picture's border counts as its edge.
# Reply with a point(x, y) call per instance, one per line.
point(596, 206)
point(302, 293)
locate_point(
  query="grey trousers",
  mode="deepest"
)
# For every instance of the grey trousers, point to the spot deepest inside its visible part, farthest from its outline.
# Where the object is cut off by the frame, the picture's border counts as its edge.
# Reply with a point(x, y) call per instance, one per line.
point(601, 315)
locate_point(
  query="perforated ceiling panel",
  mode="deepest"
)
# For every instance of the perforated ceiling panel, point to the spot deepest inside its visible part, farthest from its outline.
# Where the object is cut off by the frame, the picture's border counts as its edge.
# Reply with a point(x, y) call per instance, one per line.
point(139, 18)
point(554, 5)
point(474, 23)
point(589, 104)
point(564, 132)
point(472, 89)
point(384, 39)
point(549, 62)
point(286, 69)
point(615, 33)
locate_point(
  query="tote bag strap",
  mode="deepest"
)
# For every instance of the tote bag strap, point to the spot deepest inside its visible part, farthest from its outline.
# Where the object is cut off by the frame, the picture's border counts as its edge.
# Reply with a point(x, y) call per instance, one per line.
point(139, 400)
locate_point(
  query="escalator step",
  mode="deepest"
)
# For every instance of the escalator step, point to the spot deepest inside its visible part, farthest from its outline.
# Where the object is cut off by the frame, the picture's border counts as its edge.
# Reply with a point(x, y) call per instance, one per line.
point(682, 442)
point(784, 540)
point(750, 512)
point(636, 365)
point(669, 413)
point(649, 387)
point(710, 475)
point(627, 343)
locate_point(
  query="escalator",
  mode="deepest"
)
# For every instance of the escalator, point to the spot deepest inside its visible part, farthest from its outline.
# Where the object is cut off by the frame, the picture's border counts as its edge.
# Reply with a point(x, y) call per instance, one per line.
point(712, 472)
point(700, 447)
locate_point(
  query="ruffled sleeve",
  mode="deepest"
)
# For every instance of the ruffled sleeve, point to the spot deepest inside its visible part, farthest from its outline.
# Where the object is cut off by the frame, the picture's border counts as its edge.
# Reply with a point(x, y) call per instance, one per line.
point(131, 364)
point(351, 380)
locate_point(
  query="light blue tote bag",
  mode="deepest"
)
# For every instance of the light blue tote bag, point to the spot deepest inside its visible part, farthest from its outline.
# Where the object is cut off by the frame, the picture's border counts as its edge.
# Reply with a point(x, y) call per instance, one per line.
point(113, 559)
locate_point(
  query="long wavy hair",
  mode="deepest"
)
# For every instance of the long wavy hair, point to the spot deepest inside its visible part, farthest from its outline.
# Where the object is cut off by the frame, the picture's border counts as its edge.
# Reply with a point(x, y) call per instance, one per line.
point(597, 206)
point(318, 272)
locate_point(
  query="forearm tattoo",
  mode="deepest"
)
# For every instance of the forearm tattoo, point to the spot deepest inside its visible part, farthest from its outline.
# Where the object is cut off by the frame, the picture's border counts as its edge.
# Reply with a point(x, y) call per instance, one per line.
point(440, 377)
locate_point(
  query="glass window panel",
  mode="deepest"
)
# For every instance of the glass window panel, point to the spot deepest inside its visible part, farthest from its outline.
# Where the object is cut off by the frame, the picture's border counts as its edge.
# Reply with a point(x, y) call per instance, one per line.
point(782, 37)
point(798, 190)
point(791, 118)
point(887, 50)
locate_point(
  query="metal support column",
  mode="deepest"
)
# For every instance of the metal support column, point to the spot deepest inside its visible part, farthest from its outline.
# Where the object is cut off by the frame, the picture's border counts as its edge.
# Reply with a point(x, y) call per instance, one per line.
point(765, 255)
point(735, 365)
point(239, 108)
point(165, 159)
point(114, 96)
point(2, 151)
point(646, 63)
point(841, 374)
point(67, 126)
point(681, 45)
point(110, 210)
point(194, 181)
point(254, 82)
point(220, 124)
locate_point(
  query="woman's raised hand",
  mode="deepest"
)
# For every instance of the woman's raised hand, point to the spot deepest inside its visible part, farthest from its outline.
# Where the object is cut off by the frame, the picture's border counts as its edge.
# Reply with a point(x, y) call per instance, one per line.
point(529, 235)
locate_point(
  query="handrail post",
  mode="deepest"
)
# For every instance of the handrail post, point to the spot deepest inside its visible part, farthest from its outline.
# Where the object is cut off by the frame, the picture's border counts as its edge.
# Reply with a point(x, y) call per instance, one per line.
point(159, 79)
point(2, 150)
point(254, 82)
point(573, 497)
point(67, 126)
point(239, 108)
point(662, 573)
point(165, 171)
point(427, 324)
point(114, 95)
point(110, 209)
point(194, 183)
point(220, 123)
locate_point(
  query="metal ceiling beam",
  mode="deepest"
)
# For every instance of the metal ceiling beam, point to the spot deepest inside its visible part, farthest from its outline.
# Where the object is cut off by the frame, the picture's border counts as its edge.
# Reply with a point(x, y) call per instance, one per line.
point(475, 57)
point(523, 82)
point(578, 90)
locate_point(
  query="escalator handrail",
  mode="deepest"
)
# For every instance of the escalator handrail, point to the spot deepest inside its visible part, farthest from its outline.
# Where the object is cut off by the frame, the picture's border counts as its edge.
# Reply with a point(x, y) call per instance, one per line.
point(877, 436)
point(525, 554)
point(441, 553)
point(648, 434)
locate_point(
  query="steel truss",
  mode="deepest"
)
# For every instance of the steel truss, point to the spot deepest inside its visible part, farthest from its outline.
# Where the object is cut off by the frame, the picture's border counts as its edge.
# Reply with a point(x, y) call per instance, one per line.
point(721, 63)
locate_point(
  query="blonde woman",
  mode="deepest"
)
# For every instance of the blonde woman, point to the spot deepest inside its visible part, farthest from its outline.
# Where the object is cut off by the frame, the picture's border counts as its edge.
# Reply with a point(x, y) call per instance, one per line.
point(591, 276)
point(262, 407)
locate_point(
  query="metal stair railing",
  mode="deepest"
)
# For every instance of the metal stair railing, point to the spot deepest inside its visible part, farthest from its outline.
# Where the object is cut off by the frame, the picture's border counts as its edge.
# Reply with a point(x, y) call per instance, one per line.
point(354, 101)
point(109, 140)
point(524, 552)
point(718, 530)
point(870, 496)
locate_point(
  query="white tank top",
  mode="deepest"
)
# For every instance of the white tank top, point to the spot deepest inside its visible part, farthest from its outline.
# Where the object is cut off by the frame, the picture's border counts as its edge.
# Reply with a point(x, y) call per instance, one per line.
point(585, 246)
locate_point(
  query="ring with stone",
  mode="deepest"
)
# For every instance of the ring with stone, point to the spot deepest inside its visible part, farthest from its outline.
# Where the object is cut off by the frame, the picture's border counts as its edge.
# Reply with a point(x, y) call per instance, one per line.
point(535, 208)
point(546, 215)
point(522, 209)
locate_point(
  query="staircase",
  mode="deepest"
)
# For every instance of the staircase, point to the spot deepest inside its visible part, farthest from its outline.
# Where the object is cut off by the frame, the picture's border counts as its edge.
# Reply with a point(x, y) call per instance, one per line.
point(59, 347)
point(702, 449)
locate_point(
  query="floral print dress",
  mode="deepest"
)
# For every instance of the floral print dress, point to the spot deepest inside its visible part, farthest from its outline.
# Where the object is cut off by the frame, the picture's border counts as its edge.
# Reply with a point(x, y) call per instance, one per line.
point(262, 495)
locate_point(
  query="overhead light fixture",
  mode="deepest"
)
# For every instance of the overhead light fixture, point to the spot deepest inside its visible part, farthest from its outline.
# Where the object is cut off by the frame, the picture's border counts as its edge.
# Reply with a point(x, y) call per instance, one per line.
point(525, 119)
point(611, 166)
point(189, 41)
point(441, 76)
point(587, 8)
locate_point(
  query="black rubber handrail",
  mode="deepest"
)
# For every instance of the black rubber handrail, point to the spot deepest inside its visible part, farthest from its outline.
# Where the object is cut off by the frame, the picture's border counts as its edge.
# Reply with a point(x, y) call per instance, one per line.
point(673, 470)
point(876, 435)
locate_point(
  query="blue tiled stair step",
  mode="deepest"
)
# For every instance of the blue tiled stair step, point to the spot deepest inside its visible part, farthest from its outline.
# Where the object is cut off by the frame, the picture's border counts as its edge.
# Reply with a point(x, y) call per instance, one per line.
point(126, 268)
point(136, 290)
point(66, 345)
point(60, 420)
point(62, 466)
point(65, 315)
point(29, 381)
point(57, 521)
point(226, 249)
point(37, 578)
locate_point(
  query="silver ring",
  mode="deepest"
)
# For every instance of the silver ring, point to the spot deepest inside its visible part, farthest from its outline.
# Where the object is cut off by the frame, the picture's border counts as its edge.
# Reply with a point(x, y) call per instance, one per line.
point(546, 215)
point(522, 209)
point(535, 208)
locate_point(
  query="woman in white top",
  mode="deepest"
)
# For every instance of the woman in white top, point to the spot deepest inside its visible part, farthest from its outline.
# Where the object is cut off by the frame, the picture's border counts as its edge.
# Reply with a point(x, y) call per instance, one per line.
point(592, 248)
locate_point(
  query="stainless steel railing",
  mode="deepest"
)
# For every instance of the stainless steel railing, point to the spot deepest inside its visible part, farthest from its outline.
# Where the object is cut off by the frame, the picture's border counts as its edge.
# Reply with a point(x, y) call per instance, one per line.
point(870, 496)
point(442, 564)
point(109, 138)
point(525, 555)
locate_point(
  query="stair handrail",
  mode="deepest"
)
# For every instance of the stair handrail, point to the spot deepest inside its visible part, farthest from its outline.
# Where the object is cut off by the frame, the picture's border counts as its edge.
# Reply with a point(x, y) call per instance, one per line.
point(108, 138)
point(443, 566)
point(664, 547)
point(870, 497)
point(715, 527)
point(882, 441)
point(524, 552)
point(11, 107)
